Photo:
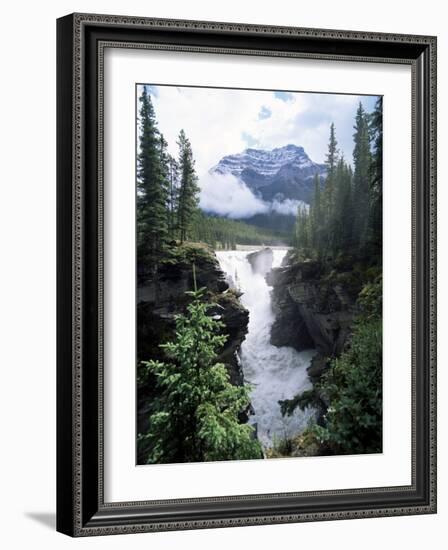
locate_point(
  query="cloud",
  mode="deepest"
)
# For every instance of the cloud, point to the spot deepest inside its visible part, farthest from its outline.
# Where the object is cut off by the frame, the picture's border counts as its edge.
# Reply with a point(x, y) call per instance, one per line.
point(287, 207)
point(222, 122)
point(249, 140)
point(226, 195)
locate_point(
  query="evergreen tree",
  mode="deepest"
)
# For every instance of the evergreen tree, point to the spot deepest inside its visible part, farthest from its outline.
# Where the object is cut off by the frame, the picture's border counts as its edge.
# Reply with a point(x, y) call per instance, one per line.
point(303, 237)
point(345, 217)
point(189, 189)
point(316, 217)
point(173, 196)
point(329, 193)
point(152, 187)
point(195, 417)
point(376, 184)
point(361, 177)
point(343, 208)
point(226, 233)
point(333, 153)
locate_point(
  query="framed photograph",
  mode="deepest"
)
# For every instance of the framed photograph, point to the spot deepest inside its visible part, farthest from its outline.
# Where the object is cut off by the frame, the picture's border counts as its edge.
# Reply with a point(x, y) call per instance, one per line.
point(246, 274)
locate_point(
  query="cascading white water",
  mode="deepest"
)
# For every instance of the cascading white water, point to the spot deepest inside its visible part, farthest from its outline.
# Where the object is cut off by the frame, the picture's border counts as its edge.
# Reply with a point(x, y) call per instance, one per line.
point(275, 373)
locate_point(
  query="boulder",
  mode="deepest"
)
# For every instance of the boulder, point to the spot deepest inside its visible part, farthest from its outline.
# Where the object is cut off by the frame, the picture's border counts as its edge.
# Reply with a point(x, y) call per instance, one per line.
point(261, 261)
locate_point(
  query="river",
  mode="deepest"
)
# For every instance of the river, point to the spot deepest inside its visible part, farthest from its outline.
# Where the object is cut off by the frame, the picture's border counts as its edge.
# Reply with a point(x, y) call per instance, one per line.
point(275, 373)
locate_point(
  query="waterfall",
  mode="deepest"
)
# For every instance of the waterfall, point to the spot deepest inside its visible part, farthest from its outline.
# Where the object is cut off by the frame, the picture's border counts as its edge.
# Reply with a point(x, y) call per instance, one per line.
point(275, 373)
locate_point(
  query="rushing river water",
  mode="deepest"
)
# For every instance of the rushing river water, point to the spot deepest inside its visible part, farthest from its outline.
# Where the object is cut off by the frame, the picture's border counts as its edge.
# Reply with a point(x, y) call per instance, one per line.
point(275, 372)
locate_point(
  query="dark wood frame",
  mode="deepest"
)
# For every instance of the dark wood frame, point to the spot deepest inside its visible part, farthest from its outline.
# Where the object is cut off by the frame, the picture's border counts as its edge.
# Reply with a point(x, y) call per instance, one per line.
point(81, 510)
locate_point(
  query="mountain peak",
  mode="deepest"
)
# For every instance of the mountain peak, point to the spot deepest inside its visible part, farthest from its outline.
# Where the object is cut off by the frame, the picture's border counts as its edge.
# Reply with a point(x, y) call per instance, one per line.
point(267, 163)
point(290, 147)
point(287, 171)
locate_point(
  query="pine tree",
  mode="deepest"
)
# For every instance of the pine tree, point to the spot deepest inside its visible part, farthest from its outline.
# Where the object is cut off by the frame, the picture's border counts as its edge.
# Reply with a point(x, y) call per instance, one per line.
point(361, 177)
point(152, 188)
point(343, 208)
point(302, 230)
point(333, 153)
point(173, 195)
point(376, 182)
point(195, 417)
point(189, 189)
point(316, 216)
point(329, 193)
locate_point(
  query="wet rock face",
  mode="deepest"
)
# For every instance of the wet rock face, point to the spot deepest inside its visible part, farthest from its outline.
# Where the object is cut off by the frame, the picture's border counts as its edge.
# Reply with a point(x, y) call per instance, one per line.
point(311, 310)
point(162, 297)
point(236, 319)
point(172, 280)
point(261, 261)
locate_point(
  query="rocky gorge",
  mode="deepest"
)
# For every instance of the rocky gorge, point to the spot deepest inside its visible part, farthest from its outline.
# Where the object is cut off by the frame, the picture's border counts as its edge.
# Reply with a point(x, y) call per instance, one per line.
point(161, 295)
point(314, 306)
point(317, 305)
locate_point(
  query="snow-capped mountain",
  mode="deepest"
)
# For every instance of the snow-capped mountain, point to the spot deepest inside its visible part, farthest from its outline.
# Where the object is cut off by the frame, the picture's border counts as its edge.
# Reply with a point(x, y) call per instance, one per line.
point(280, 174)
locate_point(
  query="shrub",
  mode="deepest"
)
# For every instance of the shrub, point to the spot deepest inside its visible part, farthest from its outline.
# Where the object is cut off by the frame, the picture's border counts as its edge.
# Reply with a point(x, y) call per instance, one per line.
point(195, 415)
point(353, 387)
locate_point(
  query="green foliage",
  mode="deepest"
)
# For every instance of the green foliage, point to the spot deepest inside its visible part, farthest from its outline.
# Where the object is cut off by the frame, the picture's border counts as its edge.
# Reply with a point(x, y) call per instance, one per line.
point(303, 228)
point(353, 387)
point(195, 414)
point(325, 229)
point(345, 214)
point(167, 189)
point(370, 299)
point(152, 185)
point(173, 198)
point(376, 175)
point(303, 444)
point(188, 197)
point(187, 253)
point(333, 153)
point(350, 391)
point(353, 384)
point(361, 176)
point(224, 233)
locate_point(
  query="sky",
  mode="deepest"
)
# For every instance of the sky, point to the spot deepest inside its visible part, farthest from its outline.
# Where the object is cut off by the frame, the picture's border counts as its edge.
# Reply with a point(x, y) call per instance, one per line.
point(221, 122)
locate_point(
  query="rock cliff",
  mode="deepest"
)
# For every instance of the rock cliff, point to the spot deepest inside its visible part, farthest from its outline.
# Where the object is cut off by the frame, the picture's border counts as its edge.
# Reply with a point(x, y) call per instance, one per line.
point(161, 296)
point(314, 306)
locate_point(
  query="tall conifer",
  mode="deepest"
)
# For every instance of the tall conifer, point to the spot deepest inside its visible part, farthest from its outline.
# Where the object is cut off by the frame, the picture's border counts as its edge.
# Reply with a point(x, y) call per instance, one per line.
point(173, 196)
point(361, 177)
point(329, 192)
point(189, 189)
point(376, 184)
point(152, 185)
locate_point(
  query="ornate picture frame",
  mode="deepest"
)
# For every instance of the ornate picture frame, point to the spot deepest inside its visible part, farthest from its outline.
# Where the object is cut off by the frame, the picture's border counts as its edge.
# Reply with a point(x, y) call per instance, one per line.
point(81, 43)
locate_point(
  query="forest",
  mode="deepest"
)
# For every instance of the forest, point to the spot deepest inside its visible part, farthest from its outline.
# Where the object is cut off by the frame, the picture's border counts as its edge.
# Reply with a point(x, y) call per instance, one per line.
point(343, 227)
point(168, 199)
point(196, 413)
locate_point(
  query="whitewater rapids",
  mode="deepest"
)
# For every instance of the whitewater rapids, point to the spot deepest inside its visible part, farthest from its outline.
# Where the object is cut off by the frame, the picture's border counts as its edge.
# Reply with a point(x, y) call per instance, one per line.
point(275, 373)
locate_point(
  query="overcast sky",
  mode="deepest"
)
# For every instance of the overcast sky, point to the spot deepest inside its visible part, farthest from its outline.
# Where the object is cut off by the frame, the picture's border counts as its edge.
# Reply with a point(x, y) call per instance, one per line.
point(220, 122)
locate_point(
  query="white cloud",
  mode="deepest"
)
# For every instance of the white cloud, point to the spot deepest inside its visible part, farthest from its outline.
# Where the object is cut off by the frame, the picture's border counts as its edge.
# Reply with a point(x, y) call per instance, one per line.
point(226, 195)
point(287, 206)
point(220, 122)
